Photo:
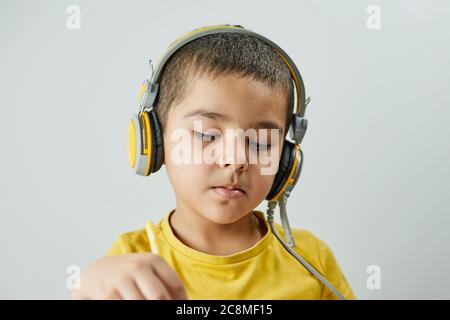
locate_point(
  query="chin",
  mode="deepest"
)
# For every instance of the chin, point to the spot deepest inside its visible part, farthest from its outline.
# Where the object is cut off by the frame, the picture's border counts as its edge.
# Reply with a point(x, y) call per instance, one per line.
point(224, 214)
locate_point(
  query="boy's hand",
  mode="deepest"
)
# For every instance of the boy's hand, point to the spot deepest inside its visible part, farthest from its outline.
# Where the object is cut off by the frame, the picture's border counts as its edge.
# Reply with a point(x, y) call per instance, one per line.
point(135, 276)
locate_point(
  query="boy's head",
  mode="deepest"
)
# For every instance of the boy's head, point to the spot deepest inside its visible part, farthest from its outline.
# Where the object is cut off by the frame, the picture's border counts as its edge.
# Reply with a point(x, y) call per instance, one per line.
point(224, 81)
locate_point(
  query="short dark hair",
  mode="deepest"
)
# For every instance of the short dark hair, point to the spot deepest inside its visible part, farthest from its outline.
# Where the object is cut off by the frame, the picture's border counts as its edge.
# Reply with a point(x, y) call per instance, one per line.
point(222, 54)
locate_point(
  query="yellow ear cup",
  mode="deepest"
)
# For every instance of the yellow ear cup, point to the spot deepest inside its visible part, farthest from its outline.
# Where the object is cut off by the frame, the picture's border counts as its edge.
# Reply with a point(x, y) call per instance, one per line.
point(131, 144)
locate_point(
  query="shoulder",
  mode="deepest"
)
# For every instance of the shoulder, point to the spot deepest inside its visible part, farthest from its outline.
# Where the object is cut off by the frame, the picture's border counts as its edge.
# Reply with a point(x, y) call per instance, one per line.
point(319, 254)
point(130, 242)
point(308, 245)
point(305, 240)
point(312, 244)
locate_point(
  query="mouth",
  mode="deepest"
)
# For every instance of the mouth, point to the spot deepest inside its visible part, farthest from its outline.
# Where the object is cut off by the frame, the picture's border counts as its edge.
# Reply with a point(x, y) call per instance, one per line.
point(229, 192)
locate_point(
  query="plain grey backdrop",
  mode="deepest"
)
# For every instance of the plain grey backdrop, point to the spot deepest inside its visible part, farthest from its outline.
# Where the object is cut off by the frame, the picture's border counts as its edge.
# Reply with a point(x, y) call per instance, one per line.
point(375, 183)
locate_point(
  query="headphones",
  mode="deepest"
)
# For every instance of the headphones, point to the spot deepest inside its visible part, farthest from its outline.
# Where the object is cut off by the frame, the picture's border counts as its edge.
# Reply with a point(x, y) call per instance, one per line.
point(145, 134)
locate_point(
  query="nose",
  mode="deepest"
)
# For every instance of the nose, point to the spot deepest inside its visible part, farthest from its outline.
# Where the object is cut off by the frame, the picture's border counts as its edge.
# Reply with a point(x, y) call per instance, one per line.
point(234, 155)
point(235, 166)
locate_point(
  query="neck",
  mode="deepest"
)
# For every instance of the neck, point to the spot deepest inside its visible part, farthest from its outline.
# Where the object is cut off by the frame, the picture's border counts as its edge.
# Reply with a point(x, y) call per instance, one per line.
point(209, 237)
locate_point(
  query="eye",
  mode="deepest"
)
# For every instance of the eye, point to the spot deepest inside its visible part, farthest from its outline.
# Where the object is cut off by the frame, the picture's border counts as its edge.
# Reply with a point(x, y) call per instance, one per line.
point(204, 136)
point(259, 146)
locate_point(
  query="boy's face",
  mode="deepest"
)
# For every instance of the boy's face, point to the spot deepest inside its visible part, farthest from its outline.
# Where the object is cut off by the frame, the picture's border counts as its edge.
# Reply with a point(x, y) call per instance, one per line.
point(230, 102)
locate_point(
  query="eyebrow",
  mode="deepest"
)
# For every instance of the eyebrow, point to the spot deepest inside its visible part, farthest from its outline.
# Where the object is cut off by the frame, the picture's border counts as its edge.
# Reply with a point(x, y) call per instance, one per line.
point(218, 116)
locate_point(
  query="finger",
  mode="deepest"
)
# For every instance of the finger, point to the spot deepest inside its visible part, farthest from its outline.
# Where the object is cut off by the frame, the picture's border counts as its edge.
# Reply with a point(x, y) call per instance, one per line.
point(129, 290)
point(112, 295)
point(151, 286)
point(77, 295)
point(170, 278)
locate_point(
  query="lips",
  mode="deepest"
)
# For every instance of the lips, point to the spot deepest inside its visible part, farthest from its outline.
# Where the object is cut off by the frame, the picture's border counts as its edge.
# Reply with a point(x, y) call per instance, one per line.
point(231, 187)
point(229, 192)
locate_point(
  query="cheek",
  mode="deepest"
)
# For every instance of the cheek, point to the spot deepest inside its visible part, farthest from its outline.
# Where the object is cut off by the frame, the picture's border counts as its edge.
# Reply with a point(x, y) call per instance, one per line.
point(181, 164)
point(185, 177)
point(261, 184)
point(188, 181)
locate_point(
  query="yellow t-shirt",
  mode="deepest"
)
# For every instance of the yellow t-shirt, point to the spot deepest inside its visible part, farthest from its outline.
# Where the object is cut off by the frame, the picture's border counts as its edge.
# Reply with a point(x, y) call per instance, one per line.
point(264, 271)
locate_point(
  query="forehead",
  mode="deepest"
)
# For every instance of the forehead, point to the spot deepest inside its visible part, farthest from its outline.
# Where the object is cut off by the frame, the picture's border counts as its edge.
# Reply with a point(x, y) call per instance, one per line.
point(234, 99)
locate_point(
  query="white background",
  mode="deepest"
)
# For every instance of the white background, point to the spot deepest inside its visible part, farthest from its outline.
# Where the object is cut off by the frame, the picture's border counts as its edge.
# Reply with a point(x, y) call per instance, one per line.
point(375, 182)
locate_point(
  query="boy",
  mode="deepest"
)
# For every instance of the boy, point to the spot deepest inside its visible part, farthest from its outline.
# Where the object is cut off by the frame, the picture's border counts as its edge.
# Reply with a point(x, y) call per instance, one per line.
point(214, 244)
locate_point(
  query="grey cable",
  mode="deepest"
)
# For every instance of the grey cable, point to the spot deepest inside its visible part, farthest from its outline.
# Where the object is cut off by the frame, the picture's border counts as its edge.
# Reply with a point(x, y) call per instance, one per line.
point(270, 219)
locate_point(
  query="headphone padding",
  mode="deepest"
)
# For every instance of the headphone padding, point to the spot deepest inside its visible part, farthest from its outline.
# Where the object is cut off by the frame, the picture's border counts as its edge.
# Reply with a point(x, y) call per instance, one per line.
point(284, 168)
point(157, 142)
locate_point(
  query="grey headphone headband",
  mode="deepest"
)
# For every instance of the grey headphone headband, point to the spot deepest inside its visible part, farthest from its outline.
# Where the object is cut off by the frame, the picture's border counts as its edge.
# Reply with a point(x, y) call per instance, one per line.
point(237, 29)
